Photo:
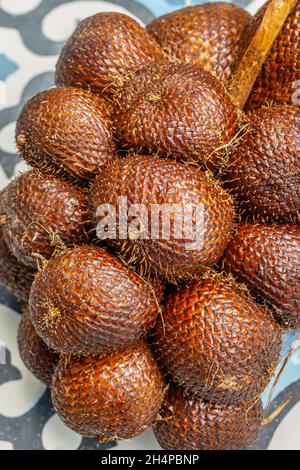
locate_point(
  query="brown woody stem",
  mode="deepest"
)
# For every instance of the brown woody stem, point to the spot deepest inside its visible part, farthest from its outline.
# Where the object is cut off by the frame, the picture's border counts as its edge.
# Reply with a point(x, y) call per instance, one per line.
point(258, 49)
point(269, 419)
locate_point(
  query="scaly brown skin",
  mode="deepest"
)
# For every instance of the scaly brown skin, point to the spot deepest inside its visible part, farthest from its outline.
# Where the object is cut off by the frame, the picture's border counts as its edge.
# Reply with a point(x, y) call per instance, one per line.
point(217, 342)
point(66, 131)
point(35, 354)
point(211, 35)
point(276, 83)
point(86, 301)
point(112, 397)
point(179, 110)
point(16, 277)
point(42, 214)
point(264, 171)
point(103, 51)
point(190, 423)
point(267, 258)
point(157, 181)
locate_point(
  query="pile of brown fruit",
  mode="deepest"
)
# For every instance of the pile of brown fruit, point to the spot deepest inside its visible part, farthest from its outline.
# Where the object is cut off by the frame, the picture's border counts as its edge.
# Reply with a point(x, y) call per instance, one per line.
point(136, 331)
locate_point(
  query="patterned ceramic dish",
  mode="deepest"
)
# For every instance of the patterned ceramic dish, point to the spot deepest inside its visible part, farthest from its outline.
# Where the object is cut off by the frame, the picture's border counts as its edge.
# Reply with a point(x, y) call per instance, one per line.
point(31, 35)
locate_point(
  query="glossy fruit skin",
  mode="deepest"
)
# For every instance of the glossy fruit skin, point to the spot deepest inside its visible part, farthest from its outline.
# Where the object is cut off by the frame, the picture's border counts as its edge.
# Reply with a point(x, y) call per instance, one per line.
point(267, 258)
point(35, 354)
point(264, 170)
point(180, 110)
point(211, 35)
point(157, 181)
point(86, 301)
point(190, 423)
point(42, 214)
point(16, 277)
point(112, 397)
point(103, 50)
point(66, 131)
point(217, 342)
point(276, 83)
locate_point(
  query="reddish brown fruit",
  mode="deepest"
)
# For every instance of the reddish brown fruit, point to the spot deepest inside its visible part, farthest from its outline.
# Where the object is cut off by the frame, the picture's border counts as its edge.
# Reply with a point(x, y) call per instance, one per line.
point(16, 277)
point(267, 258)
point(277, 82)
point(264, 170)
point(103, 50)
point(66, 131)
point(42, 214)
point(217, 342)
point(35, 354)
point(161, 183)
point(179, 110)
point(86, 301)
point(112, 397)
point(189, 423)
point(211, 35)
